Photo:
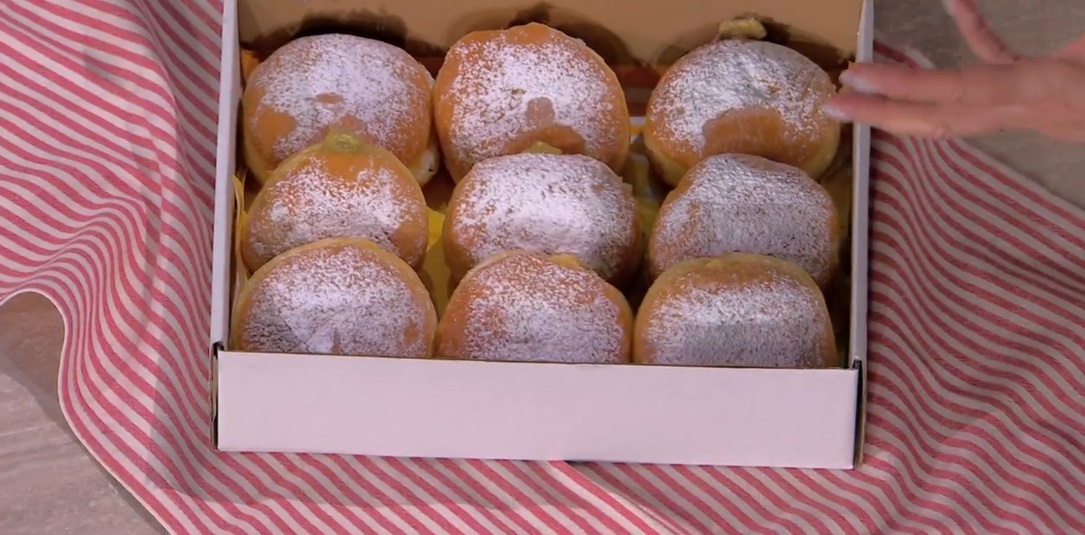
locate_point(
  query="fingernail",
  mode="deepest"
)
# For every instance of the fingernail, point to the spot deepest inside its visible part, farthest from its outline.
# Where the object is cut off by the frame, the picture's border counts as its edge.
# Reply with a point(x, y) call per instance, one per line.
point(832, 110)
point(856, 82)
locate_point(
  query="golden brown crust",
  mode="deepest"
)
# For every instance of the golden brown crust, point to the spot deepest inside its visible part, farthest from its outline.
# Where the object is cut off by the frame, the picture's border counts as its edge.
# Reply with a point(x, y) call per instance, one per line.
point(546, 203)
point(338, 188)
point(313, 299)
point(736, 309)
point(283, 111)
point(500, 62)
point(249, 61)
point(521, 306)
point(744, 203)
point(781, 121)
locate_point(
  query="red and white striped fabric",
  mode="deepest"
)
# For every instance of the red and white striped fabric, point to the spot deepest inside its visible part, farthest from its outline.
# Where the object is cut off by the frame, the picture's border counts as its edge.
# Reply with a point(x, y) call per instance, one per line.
point(977, 354)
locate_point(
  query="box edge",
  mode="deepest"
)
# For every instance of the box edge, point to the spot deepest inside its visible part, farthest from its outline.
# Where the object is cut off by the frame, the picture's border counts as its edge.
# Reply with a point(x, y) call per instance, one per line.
point(225, 161)
point(235, 361)
point(229, 87)
point(861, 247)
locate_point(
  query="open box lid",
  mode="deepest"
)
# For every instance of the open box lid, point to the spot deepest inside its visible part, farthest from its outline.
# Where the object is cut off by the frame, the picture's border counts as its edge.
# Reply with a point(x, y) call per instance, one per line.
point(626, 31)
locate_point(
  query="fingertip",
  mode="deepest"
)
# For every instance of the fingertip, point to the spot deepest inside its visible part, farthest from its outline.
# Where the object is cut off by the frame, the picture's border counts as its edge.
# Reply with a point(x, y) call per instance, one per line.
point(857, 107)
point(856, 81)
point(837, 109)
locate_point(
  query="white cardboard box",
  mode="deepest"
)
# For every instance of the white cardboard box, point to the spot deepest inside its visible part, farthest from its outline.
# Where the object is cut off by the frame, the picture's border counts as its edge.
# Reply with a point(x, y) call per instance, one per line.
point(529, 411)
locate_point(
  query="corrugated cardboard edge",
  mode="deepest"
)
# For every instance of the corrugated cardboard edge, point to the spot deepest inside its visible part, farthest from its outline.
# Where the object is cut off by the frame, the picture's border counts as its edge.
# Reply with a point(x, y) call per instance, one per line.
point(213, 392)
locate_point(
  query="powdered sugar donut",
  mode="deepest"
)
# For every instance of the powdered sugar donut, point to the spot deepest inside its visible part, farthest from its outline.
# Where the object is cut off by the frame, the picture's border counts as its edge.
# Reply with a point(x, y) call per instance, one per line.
point(339, 83)
point(546, 203)
point(339, 296)
point(740, 96)
point(735, 310)
point(742, 203)
point(498, 92)
point(521, 306)
point(340, 188)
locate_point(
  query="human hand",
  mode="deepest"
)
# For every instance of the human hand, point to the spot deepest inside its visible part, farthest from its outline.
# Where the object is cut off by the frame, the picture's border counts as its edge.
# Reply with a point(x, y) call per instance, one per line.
point(1005, 91)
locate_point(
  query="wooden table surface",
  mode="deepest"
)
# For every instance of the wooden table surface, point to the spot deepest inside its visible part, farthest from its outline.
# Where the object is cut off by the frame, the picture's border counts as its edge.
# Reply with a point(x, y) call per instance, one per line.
point(49, 484)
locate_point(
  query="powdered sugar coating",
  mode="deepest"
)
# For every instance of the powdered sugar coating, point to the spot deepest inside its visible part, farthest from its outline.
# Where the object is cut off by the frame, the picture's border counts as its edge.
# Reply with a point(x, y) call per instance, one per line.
point(509, 89)
point(342, 300)
point(773, 322)
point(526, 308)
point(732, 76)
point(344, 81)
point(311, 203)
point(741, 203)
point(546, 203)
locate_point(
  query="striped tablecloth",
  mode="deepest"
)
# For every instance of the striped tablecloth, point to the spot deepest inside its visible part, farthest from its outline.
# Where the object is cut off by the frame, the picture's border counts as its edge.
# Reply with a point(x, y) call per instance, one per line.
point(107, 130)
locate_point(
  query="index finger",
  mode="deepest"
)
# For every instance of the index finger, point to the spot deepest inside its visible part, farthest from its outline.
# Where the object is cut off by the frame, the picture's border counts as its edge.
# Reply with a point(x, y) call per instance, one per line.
point(919, 118)
point(976, 85)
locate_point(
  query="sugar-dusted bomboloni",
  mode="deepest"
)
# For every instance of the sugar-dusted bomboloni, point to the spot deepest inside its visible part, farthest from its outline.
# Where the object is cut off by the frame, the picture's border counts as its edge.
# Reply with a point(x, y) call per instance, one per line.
point(742, 203)
point(545, 203)
point(741, 96)
point(336, 189)
point(528, 307)
point(338, 296)
point(322, 84)
point(500, 91)
point(735, 310)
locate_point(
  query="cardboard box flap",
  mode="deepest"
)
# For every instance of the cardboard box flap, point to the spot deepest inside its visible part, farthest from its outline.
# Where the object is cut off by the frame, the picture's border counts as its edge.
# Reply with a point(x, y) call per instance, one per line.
point(623, 32)
point(509, 410)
